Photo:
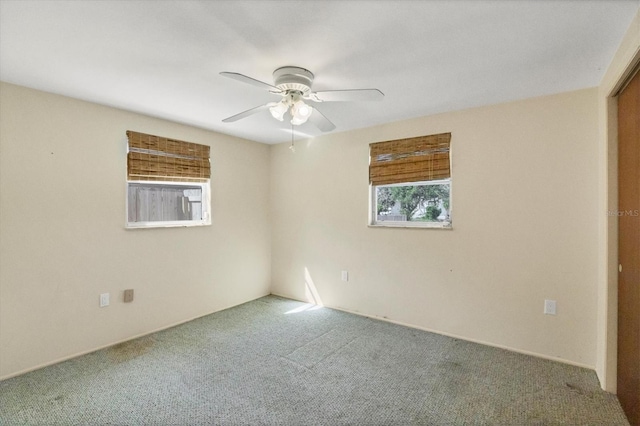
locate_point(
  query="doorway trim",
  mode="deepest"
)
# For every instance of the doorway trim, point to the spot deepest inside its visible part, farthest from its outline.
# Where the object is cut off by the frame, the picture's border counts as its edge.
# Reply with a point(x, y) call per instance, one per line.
point(624, 63)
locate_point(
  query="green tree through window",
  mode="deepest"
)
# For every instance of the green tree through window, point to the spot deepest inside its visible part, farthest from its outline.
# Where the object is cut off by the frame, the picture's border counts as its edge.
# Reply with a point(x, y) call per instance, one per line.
point(415, 202)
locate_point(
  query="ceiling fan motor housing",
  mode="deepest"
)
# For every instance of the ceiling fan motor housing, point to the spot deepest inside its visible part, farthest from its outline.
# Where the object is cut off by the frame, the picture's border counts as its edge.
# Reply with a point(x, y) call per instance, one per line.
point(293, 79)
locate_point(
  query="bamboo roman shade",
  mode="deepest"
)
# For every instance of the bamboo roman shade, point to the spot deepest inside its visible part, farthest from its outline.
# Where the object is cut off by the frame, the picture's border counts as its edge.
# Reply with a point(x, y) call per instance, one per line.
point(156, 158)
point(417, 159)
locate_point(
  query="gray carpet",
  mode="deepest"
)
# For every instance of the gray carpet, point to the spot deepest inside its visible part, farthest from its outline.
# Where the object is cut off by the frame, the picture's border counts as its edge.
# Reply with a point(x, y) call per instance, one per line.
point(255, 365)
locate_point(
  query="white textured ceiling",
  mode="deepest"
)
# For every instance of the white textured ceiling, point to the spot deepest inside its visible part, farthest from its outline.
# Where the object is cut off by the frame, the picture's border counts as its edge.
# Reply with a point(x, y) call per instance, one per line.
point(163, 58)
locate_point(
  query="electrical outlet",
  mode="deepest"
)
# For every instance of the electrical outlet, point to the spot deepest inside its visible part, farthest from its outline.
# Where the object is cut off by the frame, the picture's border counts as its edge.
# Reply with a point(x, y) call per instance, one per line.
point(345, 276)
point(104, 300)
point(549, 307)
point(128, 296)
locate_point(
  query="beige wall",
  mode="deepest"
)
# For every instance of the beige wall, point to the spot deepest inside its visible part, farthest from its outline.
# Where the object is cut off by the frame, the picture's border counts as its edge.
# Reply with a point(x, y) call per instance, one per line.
point(525, 211)
point(63, 242)
point(624, 61)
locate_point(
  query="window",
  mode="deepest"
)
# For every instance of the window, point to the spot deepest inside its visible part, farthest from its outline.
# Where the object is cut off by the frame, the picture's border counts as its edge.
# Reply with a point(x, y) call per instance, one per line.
point(410, 182)
point(168, 182)
point(165, 203)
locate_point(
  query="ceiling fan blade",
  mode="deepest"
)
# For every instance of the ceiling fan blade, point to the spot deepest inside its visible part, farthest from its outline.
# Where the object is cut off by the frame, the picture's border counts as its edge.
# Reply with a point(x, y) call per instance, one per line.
point(320, 121)
point(246, 113)
point(347, 95)
point(252, 81)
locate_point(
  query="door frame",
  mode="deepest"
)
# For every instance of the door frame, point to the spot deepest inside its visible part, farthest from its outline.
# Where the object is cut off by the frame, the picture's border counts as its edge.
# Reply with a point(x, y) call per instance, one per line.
point(625, 62)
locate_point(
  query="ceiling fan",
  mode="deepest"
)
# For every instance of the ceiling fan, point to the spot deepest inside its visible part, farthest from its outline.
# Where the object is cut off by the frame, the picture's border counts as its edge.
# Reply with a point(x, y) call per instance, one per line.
point(293, 84)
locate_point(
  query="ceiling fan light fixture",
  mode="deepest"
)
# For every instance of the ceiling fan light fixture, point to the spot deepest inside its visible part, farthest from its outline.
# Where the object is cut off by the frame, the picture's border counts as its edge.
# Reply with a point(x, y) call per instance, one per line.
point(278, 110)
point(294, 84)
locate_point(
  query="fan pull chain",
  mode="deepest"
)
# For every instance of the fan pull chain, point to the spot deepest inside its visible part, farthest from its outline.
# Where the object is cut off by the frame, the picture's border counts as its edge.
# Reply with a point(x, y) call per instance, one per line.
point(292, 148)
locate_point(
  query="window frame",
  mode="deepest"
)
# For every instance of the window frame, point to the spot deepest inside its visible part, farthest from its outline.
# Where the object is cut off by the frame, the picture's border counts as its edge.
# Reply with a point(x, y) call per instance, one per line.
point(373, 207)
point(414, 161)
point(206, 205)
point(168, 163)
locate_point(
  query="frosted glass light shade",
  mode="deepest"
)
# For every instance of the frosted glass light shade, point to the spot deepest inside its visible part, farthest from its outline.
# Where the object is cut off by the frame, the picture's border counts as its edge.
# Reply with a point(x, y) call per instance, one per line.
point(278, 110)
point(300, 113)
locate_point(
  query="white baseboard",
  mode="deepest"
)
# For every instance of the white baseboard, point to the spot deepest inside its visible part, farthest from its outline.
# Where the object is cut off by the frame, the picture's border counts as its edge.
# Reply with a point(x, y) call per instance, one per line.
point(481, 342)
point(137, 336)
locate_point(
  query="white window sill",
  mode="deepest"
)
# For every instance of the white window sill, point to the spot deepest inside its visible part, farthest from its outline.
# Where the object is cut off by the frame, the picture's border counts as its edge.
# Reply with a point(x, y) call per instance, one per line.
point(176, 224)
point(412, 225)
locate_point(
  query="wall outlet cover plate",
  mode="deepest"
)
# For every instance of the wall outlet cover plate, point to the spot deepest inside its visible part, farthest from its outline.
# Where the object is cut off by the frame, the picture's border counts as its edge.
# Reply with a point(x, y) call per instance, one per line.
point(104, 300)
point(550, 307)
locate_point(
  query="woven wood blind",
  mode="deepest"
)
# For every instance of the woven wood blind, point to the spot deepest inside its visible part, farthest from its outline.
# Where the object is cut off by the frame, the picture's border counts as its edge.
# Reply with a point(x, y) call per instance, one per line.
point(157, 158)
point(417, 159)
